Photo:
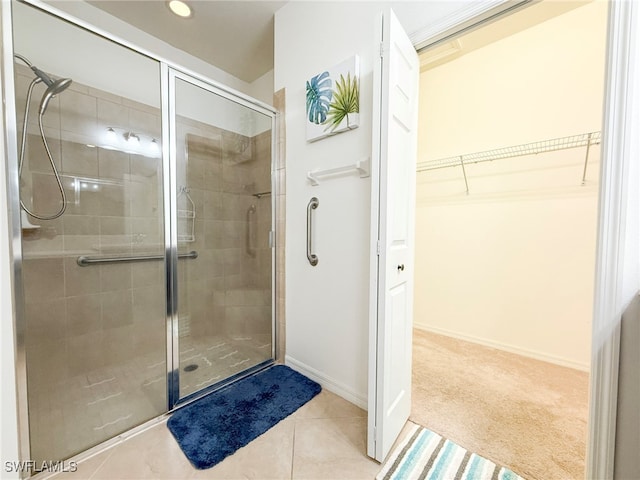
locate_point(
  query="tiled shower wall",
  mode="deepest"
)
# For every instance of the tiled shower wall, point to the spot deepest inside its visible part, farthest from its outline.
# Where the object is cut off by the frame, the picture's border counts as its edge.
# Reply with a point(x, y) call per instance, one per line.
point(79, 319)
point(228, 287)
point(279, 102)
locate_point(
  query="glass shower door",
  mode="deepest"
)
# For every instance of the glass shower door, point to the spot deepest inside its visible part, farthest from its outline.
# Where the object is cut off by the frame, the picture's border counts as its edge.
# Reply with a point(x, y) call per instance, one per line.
point(223, 154)
point(94, 316)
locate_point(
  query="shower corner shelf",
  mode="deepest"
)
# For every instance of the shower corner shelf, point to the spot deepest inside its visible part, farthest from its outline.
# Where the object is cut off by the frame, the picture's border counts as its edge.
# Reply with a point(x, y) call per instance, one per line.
point(188, 215)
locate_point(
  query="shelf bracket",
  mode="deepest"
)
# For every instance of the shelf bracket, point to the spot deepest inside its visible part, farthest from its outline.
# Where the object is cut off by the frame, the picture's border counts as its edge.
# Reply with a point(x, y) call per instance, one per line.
point(586, 160)
point(464, 173)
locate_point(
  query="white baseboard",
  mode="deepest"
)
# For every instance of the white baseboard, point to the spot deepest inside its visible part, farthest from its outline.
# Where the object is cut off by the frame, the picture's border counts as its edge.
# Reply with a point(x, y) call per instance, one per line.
point(329, 383)
point(525, 352)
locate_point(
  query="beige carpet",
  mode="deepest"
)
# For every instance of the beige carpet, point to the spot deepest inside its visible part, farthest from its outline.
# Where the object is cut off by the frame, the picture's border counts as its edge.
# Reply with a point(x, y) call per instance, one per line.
point(527, 415)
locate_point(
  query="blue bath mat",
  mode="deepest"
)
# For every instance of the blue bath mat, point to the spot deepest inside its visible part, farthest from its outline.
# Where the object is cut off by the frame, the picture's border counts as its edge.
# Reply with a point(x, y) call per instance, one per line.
point(214, 427)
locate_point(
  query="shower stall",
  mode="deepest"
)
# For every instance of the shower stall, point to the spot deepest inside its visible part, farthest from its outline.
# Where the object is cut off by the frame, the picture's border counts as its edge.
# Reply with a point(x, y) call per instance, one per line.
point(144, 260)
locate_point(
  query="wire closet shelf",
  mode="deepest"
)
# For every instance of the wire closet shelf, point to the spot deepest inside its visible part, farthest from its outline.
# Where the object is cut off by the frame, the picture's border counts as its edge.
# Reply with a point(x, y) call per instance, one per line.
point(562, 143)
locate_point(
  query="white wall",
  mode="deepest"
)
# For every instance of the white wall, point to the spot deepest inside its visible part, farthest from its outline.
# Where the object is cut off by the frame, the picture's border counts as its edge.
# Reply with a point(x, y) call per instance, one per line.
point(511, 264)
point(262, 88)
point(327, 305)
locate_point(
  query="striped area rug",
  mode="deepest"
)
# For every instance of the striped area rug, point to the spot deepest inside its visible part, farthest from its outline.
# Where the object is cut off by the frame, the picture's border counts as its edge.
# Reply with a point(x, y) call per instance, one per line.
point(424, 455)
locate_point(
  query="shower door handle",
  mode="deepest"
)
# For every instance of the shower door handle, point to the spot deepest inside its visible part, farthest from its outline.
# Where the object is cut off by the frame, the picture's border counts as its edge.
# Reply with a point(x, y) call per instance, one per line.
point(312, 257)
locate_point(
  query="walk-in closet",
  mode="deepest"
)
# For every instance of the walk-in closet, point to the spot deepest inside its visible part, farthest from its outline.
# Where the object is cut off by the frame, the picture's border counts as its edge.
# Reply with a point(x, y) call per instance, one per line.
point(506, 225)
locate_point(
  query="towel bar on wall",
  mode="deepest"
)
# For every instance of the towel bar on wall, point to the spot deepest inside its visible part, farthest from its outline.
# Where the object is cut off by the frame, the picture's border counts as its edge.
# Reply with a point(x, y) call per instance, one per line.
point(363, 167)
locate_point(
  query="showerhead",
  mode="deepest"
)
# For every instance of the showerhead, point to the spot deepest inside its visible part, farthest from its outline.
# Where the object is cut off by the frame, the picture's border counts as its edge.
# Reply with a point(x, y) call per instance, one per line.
point(42, 76)
point(55, 88)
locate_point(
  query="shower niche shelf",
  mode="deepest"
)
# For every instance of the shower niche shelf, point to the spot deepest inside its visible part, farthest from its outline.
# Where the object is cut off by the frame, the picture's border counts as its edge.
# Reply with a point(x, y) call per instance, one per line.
point(186, 217)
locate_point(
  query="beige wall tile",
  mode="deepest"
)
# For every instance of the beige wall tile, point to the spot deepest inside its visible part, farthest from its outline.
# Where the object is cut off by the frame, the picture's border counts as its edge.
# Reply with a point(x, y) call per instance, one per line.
point(78, 112)
point(46, 321)
point(143, 198)
point(149, 338)
point(213, 205)
point(85, 353)
point(148, 231)
point(114, 229)
point(35, 155)
point(113, 164)
point(77, 244)
point(116, 276)
point(45, 194)
point(196, 173)
point(47, 239)
point(120, 346)
point(214, 235)
point(43, 279)
point(112, 201)
point(246, 297)
point(84, 314)
point(79, 201)
point(146, 274)
point(149, 305)
point(79, 159)
point(80, 280)
point(111, 113)
point(145, 122)
point(147, 167)
point(47, 364)
point(117, 308)
point(81, 225)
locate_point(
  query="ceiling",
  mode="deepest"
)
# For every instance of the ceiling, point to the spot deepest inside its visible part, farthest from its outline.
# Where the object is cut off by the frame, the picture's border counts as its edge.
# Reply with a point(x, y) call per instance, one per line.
point(212, 32)
point(237, 36)
point(500, 28)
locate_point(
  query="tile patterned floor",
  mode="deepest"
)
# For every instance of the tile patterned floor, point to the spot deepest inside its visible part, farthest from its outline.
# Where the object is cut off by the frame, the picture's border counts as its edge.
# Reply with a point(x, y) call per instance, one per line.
point(324, 439)
point(84, 410)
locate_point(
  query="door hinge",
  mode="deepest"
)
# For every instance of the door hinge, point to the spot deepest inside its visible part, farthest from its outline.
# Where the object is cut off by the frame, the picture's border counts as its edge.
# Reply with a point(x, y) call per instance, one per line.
point(378, 247)
point(381, 50)
point(271, 239)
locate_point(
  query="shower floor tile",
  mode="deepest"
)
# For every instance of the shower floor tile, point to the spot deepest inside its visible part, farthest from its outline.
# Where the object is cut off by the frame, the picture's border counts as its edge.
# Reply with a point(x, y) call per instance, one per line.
point(208, 360)
point(73, 415)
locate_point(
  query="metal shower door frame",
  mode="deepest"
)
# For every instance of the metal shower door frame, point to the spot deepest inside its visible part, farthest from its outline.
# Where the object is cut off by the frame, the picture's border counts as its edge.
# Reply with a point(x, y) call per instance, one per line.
point(171, 228)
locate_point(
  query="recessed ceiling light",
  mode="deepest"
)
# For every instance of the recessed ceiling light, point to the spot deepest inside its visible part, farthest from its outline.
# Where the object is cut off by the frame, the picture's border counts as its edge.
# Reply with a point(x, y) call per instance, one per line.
point(180, 8)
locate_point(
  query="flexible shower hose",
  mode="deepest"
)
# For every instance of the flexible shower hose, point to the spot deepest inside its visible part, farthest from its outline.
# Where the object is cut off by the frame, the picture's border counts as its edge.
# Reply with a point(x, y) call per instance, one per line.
point(48, 151)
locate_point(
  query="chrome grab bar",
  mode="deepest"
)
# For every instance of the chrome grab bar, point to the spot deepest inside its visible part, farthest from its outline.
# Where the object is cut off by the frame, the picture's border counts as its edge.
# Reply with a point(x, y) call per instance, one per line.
point(251, 218)
point(84, 261)
point(312, 257)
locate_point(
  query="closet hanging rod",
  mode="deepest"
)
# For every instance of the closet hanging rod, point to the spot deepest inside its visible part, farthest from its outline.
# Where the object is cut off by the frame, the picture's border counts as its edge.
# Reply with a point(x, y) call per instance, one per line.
point(562, 143)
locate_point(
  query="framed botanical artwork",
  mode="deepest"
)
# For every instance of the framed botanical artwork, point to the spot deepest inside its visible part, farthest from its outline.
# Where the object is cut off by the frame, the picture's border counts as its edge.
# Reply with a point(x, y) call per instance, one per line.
point(333, 100)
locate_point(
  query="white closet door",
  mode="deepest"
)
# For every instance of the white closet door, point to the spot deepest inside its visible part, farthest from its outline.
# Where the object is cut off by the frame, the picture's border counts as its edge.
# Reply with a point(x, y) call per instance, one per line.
point(393, 197)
